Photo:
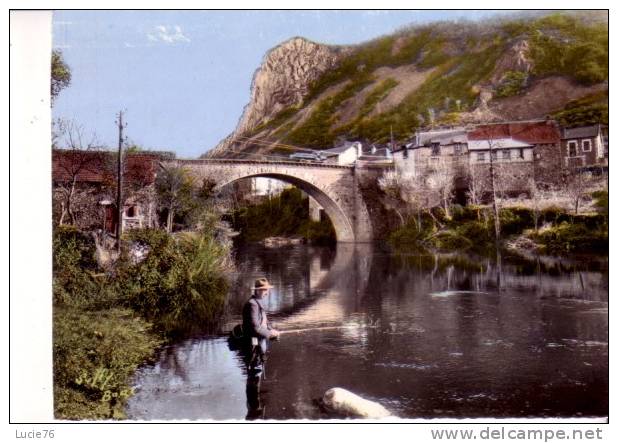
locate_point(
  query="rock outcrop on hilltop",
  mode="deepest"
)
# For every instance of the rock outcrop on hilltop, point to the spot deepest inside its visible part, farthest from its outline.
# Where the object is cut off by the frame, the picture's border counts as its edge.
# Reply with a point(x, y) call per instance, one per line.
point(282, 81)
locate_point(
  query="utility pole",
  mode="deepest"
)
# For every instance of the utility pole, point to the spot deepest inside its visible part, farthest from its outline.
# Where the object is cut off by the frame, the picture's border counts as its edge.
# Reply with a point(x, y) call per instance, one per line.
point(119, 205)
point(392, 141)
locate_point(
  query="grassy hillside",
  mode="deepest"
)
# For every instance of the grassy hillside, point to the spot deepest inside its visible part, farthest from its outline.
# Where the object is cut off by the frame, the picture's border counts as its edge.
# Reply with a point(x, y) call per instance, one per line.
point(459, 61)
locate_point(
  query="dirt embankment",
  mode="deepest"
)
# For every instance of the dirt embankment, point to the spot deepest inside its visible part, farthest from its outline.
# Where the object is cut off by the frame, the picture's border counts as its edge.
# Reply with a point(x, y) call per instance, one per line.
point(542, 98)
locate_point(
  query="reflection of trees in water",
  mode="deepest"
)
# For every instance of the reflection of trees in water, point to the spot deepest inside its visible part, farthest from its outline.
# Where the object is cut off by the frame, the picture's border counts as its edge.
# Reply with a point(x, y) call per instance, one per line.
point(406, 296)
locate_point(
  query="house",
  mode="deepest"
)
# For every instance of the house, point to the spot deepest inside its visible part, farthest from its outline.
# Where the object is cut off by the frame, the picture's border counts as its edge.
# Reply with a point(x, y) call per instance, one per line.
point(90, 177)
point(503, 150)
point(346, 154)
point(433, 147)
point(376, 155)
point(585, 147)
point(543, 135)
point(264, 186)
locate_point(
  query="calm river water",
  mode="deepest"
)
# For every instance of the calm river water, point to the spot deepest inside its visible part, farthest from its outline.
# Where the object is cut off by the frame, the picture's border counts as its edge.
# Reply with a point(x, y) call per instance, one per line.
point(426, 336)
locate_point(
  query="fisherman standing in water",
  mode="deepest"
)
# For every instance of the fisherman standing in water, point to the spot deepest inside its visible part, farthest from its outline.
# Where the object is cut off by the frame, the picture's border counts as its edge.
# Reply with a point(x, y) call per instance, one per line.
point(256, 329)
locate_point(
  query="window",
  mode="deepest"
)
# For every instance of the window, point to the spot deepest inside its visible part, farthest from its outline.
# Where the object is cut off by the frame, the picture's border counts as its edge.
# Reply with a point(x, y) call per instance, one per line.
point(521, 152)
point(494, 155)
point(586, 145)
point(457, 149)
point(131, 212)
point(480, 157)
point(435, 149)
point(572, 147)
point(506, 154)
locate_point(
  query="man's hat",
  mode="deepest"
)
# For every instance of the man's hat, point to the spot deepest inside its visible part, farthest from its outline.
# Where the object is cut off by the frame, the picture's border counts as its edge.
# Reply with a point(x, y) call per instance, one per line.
point(262, 283)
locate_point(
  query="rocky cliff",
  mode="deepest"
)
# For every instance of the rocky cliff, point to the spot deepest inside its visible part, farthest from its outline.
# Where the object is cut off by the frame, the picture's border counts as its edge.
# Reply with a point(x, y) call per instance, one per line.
point(282, 82)
point(309, 95)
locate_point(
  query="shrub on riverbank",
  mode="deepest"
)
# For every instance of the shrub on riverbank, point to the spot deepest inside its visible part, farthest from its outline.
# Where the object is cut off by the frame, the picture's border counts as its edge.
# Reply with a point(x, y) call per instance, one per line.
point(95, 356)
point(74, 265)
point(571, 237)
point(181, 283)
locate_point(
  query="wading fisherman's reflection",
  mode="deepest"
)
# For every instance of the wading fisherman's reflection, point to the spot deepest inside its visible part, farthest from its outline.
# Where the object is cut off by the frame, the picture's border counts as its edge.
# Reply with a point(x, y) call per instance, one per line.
point(254, 337)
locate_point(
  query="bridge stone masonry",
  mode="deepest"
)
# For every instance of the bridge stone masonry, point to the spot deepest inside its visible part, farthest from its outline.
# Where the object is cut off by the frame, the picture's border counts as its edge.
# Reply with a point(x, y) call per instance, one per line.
point(335, 187)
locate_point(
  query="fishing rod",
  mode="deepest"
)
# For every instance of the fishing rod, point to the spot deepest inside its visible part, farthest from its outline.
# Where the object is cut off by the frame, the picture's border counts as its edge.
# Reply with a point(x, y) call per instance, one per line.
point(317, 328)
point(322, 328)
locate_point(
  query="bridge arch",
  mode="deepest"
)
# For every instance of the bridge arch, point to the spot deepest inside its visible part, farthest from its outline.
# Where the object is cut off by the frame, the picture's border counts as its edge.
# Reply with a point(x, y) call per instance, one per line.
point(334, 187)
point(341, 223)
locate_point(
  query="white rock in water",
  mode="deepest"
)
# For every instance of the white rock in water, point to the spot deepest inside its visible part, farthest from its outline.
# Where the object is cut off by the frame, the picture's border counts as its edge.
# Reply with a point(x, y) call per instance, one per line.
point(347, 403)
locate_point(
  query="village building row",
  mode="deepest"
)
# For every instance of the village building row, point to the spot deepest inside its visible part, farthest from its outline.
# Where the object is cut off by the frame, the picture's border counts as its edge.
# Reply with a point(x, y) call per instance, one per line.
point(538, 150)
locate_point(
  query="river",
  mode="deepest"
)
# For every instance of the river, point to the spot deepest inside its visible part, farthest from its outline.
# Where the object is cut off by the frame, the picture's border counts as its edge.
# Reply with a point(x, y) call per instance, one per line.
point(444, 336)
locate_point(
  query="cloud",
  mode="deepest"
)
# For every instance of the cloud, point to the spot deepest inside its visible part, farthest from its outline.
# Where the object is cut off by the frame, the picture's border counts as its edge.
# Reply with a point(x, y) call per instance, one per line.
point(167, 34)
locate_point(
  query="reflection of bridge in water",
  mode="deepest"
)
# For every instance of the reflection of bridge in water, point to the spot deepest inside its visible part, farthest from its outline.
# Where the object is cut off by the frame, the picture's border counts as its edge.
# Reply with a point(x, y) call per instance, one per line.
point(331, 288)
point(334, 187)
point(310, 283)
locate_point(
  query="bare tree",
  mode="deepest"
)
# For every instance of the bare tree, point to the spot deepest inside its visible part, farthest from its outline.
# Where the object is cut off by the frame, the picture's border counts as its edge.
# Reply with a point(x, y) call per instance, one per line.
point(487, 134)
point(405, 194)
point(578, 183)
point(477, 183)
point(441, 181)
point(76, 157)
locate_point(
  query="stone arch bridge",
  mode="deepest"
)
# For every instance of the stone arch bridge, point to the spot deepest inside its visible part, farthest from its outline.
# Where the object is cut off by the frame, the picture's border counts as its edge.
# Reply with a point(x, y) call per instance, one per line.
point(335, 187)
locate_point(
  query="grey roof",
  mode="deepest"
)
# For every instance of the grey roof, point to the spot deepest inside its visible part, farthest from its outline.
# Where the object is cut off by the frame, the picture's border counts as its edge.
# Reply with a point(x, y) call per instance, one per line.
point(339, 149)
point(581, 132)
point(444, 137)
point(498, 143)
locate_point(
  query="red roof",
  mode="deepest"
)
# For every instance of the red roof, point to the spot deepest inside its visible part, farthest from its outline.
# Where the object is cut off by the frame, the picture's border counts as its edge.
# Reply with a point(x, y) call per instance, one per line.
point(100, 166)
point(530, 132)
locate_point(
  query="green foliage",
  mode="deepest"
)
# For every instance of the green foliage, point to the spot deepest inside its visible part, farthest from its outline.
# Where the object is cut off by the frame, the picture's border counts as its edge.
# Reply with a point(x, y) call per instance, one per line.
point(318, 232)
point(180, 285)
point(564, 45)
point(511, 84)
point(480, 233)
point(73, 266)
point(601, 202)
point(284, 215)
point(95, 355)
point(174, 188)
point(60, 74)
point(572, 237)
point(409, 237)
point(451, 241)
point(583, 116)
point(588, 110)
point(515, 220)
point(314, 132)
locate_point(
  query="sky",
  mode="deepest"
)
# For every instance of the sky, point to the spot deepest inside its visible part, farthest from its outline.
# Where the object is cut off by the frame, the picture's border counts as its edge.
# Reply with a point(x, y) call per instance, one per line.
point(184, 77)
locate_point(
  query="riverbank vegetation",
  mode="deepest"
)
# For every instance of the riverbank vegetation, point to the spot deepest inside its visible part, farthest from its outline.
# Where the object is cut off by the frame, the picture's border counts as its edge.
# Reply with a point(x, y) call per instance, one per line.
point(110, 319)
point(286, 215)
point(551, 230)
